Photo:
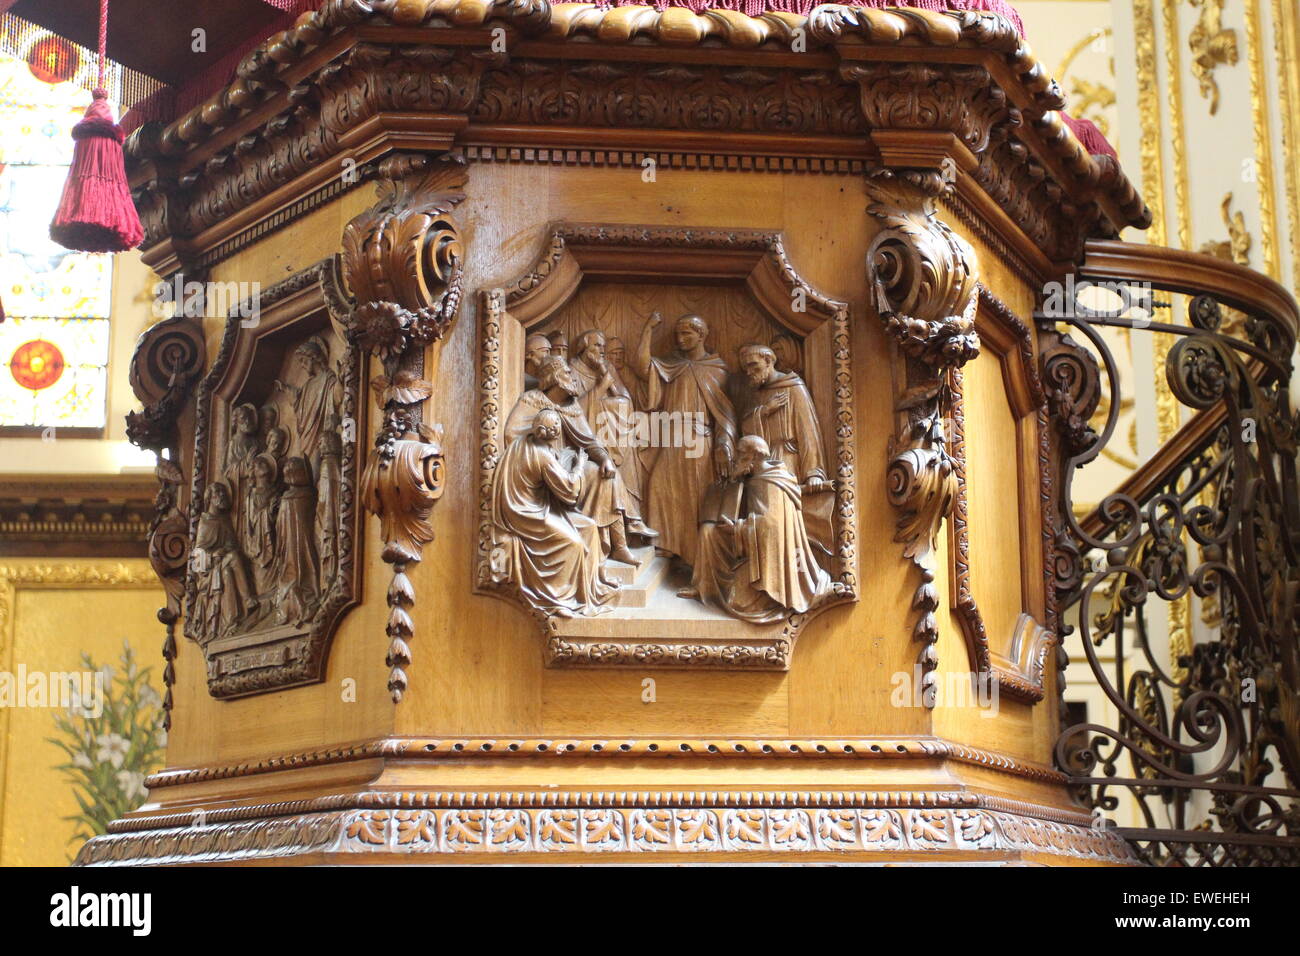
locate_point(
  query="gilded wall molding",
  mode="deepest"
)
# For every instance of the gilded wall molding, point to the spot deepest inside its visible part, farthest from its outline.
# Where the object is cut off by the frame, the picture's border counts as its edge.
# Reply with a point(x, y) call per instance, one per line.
point(402, 269)
point(1286, 45)
point(75, 516)
point(1259, 104)
point(1211, 45)
point(1148, 108)
point(1177, 133)
point(76, 574)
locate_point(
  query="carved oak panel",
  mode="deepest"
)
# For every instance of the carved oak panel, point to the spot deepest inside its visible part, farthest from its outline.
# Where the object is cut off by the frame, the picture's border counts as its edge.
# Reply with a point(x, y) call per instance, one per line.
point(273, 513)
point(667, 465)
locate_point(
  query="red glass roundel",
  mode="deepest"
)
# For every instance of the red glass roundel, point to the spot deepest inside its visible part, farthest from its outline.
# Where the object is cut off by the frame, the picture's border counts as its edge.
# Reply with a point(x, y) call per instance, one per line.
point(53, 60)
point(36, 364)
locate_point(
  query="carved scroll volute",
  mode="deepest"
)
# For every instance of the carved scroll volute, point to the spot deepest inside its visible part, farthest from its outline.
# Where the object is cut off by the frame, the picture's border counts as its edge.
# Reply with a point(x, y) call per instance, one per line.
point(167, 362)
point(402, 269)
point(924, 284)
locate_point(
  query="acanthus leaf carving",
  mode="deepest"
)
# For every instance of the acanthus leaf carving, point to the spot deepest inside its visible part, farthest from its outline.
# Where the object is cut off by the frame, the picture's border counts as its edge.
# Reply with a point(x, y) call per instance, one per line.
point(168, 360)
point(402, 270)
point(924, 285)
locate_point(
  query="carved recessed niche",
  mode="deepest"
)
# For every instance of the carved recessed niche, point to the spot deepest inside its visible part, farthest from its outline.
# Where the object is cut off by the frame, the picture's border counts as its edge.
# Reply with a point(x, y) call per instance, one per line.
point(273, 513)
point(687, 498)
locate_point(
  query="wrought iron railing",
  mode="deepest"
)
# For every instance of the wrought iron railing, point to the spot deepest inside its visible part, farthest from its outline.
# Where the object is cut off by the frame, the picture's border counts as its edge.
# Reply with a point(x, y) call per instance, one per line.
point(1198, 549)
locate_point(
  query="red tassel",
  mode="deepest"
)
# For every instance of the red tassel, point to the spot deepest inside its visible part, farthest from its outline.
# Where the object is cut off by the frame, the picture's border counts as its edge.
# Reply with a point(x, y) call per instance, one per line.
point(96, 213)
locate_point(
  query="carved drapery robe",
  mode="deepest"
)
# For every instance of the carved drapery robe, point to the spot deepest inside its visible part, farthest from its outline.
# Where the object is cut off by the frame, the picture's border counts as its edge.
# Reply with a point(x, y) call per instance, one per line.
point(694, 389)
point(313, 405)
point(544, 544)
point(260, 509)
point(327, 502)
point(605, 500)
point(295, 566)
point(611, 411)
point(781, 412)
point(766, 569)
point(224, 588)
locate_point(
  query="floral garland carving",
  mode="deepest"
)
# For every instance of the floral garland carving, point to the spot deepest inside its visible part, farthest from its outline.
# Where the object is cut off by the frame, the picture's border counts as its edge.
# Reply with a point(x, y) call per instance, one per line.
point(402, 267)
point(924, 285)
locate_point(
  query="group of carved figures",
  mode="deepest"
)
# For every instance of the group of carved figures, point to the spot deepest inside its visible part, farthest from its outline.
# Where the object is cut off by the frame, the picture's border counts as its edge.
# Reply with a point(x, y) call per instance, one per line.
point(738, 495)
point(266, 550)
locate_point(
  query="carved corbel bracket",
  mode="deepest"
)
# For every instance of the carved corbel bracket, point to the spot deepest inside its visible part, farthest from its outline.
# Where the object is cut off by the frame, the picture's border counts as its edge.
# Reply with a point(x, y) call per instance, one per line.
point(960, 99)
point(168, 360)
point(924, 284)
point(402, 270)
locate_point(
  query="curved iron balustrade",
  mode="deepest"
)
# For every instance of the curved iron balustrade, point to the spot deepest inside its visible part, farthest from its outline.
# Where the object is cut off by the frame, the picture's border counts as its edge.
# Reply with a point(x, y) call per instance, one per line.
point(1207, 744)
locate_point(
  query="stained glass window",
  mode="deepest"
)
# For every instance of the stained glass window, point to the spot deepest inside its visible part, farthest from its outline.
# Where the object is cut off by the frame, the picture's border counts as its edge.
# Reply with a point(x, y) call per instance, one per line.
point(54, 342)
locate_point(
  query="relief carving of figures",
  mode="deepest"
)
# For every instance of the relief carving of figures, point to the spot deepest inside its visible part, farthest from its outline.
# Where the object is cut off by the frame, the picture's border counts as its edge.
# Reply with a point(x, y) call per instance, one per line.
point(781, 412)
point(754, 559)
point(689, 383)
point(608, 404)
point(657, 487)
point(567, 495)
point(551, 549)
point(603, 496)
point(283, 507)
point(272, 568)
point(226, 597)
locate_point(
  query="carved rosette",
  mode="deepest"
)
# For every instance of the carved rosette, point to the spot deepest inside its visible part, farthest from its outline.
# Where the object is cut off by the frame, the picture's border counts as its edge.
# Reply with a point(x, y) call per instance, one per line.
point(402, 270)
point(168, 360)
point(924, 284)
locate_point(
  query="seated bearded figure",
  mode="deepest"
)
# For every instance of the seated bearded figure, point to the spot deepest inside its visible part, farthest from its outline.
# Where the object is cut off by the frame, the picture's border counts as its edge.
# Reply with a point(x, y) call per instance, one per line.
point(547, 547)
point(602, 495)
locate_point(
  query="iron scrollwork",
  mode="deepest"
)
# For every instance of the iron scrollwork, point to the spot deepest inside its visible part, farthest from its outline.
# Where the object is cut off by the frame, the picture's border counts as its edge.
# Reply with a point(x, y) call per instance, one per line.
point(1212, 736)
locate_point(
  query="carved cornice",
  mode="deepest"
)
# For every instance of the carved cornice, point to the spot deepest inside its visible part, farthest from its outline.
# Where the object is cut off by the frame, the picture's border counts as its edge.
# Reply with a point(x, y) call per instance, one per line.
point(839, 829)
point(106, 517)
point(314, 108)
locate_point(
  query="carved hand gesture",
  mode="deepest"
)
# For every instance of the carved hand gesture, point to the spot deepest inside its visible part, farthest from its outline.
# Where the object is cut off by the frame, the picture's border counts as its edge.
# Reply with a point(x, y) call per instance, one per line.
point(655, 319)
point(721, 462)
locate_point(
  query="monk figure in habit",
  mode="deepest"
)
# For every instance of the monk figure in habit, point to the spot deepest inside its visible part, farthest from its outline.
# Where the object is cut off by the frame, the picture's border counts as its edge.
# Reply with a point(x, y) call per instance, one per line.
point(759, 566)
point(296, 565)
point(690, 385)
point(550, 549)
point(602, 495)
point(781, 412)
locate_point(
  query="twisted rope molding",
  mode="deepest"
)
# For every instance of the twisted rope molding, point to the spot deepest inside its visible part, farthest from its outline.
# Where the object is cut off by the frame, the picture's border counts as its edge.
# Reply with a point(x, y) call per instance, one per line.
point(823, 28)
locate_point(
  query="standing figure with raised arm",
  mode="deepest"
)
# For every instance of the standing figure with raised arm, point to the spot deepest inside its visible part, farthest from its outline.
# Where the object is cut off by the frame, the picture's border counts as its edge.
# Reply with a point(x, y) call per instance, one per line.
point(690, 385)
